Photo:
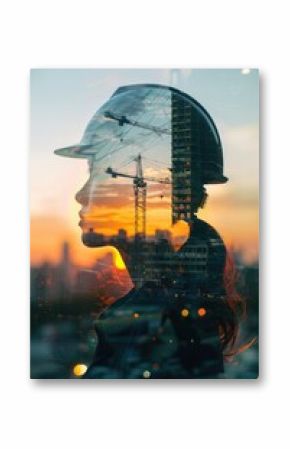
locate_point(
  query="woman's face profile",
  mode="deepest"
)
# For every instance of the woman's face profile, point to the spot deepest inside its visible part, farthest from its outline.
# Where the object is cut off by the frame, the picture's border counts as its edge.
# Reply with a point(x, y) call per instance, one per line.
point(136, 122)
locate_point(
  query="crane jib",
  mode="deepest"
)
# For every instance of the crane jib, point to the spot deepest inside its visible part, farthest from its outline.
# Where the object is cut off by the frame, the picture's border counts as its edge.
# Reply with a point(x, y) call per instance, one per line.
point(122, 119)
point(115, 174)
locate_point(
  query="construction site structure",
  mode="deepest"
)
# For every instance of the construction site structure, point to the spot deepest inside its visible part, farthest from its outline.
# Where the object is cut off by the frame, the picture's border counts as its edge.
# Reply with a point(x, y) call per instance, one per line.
point(186, 160)
point(140, 193)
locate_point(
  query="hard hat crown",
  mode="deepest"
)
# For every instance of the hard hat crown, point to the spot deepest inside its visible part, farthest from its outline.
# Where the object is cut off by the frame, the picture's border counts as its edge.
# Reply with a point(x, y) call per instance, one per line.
point(158, 109)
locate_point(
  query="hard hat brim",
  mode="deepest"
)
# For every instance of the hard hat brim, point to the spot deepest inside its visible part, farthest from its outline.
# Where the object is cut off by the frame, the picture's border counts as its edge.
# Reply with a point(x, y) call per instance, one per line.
point(76, 151)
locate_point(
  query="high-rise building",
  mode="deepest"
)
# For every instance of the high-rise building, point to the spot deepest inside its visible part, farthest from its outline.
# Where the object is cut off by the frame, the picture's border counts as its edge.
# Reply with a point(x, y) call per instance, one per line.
point(122, 235)
point(64, 272)
point(186, 159)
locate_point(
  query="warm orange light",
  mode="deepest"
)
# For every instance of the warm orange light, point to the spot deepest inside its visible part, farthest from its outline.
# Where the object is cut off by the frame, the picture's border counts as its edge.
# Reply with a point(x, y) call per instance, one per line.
point(46, 245)
point(201, 312)
point(184, 313)
point(79, 369)
point(136, 315)
point(119, 263)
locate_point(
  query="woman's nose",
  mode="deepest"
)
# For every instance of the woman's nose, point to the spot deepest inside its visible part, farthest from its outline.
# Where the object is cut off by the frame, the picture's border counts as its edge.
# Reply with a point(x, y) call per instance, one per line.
point(82, 196)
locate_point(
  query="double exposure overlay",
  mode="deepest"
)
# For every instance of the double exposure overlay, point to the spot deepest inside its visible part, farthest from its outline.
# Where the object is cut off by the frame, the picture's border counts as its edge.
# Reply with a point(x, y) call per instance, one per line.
point(157, 293)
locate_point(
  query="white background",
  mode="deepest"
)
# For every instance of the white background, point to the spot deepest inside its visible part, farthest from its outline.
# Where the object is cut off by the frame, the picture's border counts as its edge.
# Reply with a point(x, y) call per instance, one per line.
point(204, 414)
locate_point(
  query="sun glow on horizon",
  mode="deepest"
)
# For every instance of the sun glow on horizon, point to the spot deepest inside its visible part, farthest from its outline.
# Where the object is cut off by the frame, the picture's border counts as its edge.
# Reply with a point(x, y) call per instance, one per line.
point(119, 263)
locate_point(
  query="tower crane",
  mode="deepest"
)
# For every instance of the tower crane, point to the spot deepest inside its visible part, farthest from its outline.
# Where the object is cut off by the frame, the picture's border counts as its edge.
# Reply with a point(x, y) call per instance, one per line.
point(140, 192)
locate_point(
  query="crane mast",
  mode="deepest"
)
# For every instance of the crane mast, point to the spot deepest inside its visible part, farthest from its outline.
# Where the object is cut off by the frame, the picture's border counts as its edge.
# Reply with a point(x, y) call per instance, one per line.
point(140, 192)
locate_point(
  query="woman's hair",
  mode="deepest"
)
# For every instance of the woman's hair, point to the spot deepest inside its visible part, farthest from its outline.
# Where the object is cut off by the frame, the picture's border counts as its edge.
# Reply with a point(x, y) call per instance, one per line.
point(233, 309)
point(234, 312)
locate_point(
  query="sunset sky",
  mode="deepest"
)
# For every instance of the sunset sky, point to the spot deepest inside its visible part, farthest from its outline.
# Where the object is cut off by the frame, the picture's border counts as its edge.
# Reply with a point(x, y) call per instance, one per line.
point(62, 103)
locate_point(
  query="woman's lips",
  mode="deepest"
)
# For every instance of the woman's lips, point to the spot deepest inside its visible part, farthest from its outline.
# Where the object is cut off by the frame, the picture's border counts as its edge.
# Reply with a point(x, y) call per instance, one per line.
point(82, 218)
point(86, 220)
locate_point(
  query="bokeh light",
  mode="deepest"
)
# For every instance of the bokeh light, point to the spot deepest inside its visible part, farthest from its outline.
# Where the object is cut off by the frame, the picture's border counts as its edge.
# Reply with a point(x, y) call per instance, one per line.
point(80, 369)
point(201, 312)
point(184, 313)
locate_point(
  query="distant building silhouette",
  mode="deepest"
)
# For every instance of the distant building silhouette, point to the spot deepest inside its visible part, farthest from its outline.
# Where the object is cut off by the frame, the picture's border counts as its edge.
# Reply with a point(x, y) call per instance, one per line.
point(122, 235)
point(93, 239)
point(65, 283)
point(163, 234)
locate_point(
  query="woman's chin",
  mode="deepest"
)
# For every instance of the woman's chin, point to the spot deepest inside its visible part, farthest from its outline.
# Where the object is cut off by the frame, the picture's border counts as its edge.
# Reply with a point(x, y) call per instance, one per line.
point(92, 240)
